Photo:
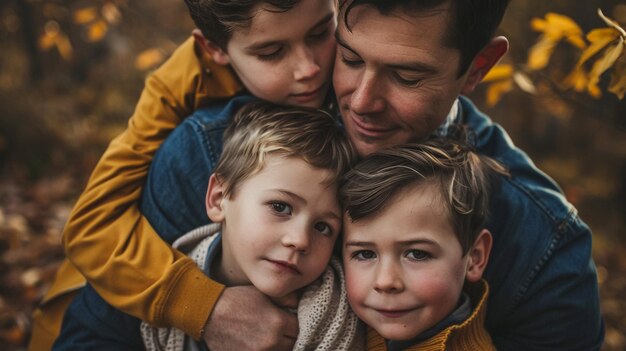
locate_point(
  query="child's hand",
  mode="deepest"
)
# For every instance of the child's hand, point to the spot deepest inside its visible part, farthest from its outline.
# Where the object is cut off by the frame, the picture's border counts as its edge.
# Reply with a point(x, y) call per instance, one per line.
point(245, 319)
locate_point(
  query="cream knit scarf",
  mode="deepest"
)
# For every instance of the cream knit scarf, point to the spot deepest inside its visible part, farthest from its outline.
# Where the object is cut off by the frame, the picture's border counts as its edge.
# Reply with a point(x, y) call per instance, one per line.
point(325, 319)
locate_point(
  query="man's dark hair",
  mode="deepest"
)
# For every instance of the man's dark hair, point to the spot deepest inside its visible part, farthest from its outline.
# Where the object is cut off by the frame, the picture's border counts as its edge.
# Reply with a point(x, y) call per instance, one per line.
point(217, 19)
point(474, 22)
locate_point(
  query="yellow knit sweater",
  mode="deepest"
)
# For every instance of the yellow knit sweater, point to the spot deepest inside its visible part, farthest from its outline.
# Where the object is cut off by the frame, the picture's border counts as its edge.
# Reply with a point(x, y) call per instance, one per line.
point(467, 336)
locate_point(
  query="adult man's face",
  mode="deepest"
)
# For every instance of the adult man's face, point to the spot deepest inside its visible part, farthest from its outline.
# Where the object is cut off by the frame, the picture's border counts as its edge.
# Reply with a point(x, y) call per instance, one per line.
point(395, 77)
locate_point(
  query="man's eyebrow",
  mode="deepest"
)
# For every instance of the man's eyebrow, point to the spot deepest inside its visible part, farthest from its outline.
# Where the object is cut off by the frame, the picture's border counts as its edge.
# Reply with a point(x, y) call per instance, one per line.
point(410, 66)
point(342, 42)
point(413, 66)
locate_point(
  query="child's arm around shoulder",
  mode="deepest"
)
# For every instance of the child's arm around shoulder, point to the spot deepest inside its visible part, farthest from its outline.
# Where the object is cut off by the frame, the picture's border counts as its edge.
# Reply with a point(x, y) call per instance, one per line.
point(106, 237)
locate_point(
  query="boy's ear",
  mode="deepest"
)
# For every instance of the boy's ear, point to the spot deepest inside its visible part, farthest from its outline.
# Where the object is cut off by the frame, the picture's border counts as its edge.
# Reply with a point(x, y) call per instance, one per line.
point(218, 55)
point(484, 61)
point(214, 197)
point(479, 256)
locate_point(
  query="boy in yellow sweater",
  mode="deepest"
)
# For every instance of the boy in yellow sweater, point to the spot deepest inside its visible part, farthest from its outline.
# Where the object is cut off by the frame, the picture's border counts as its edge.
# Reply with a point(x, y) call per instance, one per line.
point(415, 246)
point(243, 46)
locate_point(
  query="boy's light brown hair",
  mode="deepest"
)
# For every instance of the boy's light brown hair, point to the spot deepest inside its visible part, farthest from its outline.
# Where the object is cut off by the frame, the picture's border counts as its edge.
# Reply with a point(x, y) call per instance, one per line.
point(261, 128)
point(462, 176)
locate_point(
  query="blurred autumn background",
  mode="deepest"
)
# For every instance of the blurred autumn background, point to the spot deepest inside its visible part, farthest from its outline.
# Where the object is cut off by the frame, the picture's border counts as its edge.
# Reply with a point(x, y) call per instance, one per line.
point(71, 72)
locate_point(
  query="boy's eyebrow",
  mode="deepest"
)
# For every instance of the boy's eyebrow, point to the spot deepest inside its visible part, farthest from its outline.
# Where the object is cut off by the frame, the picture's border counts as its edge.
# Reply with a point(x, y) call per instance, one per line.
point(324, 21)
point(264, 44)
point(412, 66)
point(417, 241)
point(358, 243)
point(399, 243)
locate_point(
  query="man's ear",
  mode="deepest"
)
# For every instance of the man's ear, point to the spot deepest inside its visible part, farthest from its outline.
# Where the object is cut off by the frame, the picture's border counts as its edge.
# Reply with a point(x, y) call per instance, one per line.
point(218, 55)
point(484, 61)
point(479, 256)
point(214, 197)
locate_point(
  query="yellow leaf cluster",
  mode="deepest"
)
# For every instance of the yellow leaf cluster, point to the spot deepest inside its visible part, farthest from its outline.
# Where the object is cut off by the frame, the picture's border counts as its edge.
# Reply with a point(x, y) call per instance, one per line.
point(97, 22)
point(97, 30)
point(54, 38)
point(607, 47)
point(617, 85)
point(555, 28)
point(85, 15)
point(501, 79)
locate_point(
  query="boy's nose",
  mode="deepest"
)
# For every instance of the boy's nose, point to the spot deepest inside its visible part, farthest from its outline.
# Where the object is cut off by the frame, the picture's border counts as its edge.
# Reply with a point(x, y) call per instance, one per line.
point(388, 278)
point(306, 66)
point(297, 238)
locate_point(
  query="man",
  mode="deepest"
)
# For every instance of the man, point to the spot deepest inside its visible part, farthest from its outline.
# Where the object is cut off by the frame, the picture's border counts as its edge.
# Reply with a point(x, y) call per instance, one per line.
point(398, 73)
point(401, 67)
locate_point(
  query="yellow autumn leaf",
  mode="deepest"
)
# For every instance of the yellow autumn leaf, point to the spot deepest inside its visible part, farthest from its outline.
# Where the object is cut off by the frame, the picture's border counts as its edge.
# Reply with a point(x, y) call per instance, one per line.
point(48, 38)
point(149, 58)
point(611, 54)
point(85, 15)
point(499, 72)
point(540, 53)
point(577, 79)
point(617, 85)
point(64, 46)
point(97, 30)
point(538, 24)
point(558, 27)
point(497, 89)
point(555, 27)
point(46, 41)
point(599, 38)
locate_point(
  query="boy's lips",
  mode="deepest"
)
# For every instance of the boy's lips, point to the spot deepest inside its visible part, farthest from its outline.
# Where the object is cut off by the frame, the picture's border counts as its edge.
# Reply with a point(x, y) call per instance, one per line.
point(284, 266)
point(308, 95)
point(393, 313)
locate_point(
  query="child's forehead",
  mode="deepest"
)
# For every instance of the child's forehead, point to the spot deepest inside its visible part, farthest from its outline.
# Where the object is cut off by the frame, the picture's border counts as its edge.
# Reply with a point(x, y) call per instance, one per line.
point(266, 18)
point(410, 210)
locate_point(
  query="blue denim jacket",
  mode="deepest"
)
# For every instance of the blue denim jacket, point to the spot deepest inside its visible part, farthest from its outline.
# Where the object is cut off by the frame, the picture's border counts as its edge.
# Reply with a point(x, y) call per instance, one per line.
point(544, 292)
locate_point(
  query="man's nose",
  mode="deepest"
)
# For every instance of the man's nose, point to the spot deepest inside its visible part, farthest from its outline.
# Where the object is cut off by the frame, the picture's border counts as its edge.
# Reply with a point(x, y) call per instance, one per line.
point(367, 97)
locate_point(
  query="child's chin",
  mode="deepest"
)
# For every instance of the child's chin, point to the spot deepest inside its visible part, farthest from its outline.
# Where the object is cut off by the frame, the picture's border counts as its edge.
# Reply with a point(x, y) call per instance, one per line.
point(397, 333)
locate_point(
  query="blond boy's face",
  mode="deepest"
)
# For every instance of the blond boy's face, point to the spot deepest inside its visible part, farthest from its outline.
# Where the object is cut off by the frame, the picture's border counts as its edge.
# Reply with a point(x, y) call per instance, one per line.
point(404, 266)
point(287, 57)
point(278, 227)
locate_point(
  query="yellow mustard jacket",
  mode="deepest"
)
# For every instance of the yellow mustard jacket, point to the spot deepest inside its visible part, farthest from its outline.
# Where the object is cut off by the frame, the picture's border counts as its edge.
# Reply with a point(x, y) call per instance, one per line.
point(470, 335)
point(106, 239)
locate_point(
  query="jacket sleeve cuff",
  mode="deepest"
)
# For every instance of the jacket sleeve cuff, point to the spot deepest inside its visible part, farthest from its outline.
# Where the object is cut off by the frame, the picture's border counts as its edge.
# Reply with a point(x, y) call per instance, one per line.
point(190, 301)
